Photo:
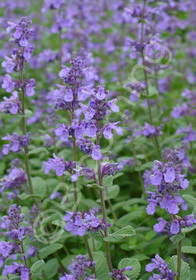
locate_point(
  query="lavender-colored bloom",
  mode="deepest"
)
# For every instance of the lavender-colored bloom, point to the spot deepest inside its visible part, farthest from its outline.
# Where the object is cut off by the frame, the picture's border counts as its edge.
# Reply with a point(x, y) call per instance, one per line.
point(22, 32)
point(15, 268)
point(14, 180)
point(79, 269)
point(11, 223)
point(8, 83)
point(52, 4)
point(107, 130)
point(55, 194)
point(189, 134)
point(30, 87)
point(176, 225)
point(149, 130)
point(118, 273)
point(167, 178)
point(16, 142)
point(88, 174)
point(162, 268)
point(59, 165)
point(88, 147)
point(79, 223)
point(11, 105)
point(8, 64)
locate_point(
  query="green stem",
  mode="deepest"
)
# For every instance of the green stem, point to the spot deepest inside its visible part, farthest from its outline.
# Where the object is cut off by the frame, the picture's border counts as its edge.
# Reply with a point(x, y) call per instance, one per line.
point(103, 207)
point(179, 253)
point(139, 172)
point(74, 183)
point(25, 261)
point(26, 157)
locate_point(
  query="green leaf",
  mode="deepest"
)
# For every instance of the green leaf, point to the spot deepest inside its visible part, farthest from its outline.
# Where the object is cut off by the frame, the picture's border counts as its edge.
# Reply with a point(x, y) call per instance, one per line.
point(38, 150)
point(39, 186)
point(125, 220)
point(37, 267)
point(51, 268)
point(46, 251)
point(189, 249)
point(101, 268)
point(120, 234)
point(191, 199)
point(185, 269)
point(112, 192)
point(188, 229)
point(176, 238)
point(144, 166)
point(133, 274)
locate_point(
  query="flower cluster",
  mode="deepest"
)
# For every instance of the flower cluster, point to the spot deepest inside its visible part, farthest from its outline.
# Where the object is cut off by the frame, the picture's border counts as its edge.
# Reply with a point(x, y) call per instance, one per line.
point(163, 269)
point(176, 225)
point(149, 130)
point(15, 230)
point(136, 90)
point(118, 273)
point(59, 165)
point(16, 142)
point(11, 105)
point(10, 84)
point(189, 134)
point(79, 269)
point(79, 223)
point(13, 180)
point(169, 180)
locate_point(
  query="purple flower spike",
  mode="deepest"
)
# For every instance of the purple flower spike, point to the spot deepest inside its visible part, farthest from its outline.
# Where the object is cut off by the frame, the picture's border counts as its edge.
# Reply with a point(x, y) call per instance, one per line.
point(162, 268)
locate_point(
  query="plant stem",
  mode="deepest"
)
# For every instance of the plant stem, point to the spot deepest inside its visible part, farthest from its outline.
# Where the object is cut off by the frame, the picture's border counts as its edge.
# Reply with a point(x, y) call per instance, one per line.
point(74, 159)
point(139, 173)
point(179, 253)
point(26, 158)
point(25, 261)
point(146, 76)
point(107, 244)
point(89, 252)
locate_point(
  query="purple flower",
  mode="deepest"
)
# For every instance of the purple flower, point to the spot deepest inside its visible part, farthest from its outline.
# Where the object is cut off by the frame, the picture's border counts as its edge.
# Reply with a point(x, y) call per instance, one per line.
point(59, 165)
point(118, 273)
point(96, 153)
point(107, 130)
point(79, 269)
point(79, 223)
point(167, 178)
point(8, 64)
point(11, 105)
point(56, 164)
point(16, 142)
point(189, 134)
point(162, 268)
point(29, 88)
point(8, 83)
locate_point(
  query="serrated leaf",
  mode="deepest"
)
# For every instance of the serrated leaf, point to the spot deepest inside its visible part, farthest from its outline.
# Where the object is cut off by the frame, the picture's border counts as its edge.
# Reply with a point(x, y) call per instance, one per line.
point(120, 234)
point(39, 186)
point(51, 268)
point(191, 199)
point(38, 150)
point(50, 250)
point(185, 269)
point(112, 192)
point(134, 263)
point(37, 267)
point(176, 238)
point(101, 268)
point(189, 249)
point(144, 166)
point(131, 216)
